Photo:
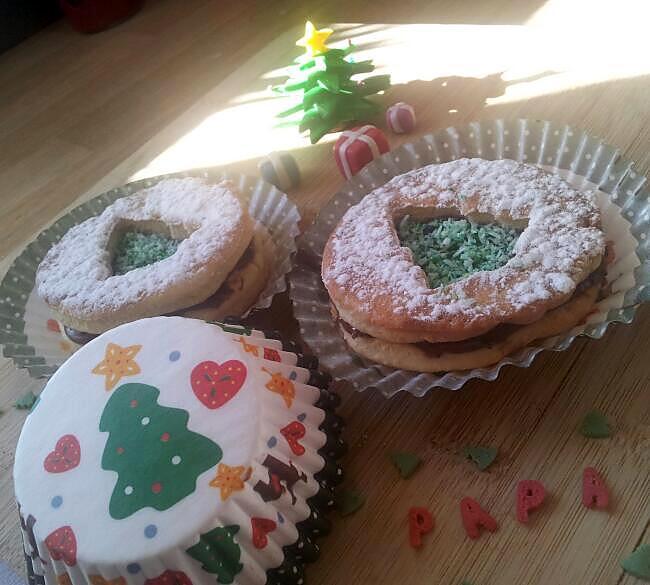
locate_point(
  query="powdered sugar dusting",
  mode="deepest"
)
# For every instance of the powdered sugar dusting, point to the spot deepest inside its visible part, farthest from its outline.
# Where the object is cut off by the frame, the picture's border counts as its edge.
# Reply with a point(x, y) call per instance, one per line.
point(76, 274)
point(558, 247)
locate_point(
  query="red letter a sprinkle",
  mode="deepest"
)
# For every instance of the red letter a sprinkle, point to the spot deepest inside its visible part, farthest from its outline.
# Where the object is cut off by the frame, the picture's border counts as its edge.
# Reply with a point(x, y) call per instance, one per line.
point(594, 490)
point(475, 517)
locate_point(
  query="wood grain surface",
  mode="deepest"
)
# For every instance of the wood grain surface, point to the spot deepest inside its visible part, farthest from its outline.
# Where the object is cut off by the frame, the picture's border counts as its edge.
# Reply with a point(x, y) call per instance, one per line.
point(183, 84)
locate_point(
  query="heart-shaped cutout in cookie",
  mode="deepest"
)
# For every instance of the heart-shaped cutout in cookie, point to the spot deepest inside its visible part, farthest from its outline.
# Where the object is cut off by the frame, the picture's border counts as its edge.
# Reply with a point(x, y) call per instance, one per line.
point(66, 455)
point(261, 527)
point(62, 545)
point(214, 384)
point(293, 432)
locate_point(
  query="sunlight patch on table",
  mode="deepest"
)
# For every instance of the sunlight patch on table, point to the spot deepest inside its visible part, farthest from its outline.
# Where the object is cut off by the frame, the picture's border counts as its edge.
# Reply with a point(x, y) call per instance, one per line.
point(567, 44)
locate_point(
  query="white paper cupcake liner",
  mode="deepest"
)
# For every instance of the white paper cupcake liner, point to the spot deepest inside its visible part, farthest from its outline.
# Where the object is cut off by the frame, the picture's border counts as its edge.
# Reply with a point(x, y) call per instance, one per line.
point(63, 547)
point(29, 335)
point(584, 161)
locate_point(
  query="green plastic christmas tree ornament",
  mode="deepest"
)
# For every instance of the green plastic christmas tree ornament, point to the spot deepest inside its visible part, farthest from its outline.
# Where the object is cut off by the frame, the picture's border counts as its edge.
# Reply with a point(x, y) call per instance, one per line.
point(330, 98)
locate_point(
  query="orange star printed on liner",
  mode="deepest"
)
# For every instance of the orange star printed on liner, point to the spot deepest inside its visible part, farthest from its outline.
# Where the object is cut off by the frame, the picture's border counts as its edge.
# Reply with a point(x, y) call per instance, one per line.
point(230, 479)
point(282, 386)
point(248, 347)
point(117, 363)
point(314, 40)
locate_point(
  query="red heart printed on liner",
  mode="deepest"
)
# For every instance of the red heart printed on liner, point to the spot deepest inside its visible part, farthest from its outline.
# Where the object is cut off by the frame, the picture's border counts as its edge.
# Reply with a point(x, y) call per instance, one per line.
point(261, 527)
point(169, 578)
point(293, 432)
point(215, 384)
point(99, 580)
point(66, 455)
point(62, 545)
point(272, 355)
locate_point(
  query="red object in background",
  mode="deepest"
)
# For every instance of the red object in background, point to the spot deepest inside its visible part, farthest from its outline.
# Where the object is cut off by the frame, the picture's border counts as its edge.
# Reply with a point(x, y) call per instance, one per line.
point(357, 147)
point(89, 16)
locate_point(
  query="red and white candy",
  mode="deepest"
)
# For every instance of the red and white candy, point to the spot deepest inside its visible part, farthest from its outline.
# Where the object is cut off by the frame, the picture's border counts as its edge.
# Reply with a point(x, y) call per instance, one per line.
point(400, 118)
point(357, 147)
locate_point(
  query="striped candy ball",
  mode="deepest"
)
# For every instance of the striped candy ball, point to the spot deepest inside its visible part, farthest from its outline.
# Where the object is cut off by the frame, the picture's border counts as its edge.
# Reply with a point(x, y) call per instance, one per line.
point(400, 118)
point(280, 169)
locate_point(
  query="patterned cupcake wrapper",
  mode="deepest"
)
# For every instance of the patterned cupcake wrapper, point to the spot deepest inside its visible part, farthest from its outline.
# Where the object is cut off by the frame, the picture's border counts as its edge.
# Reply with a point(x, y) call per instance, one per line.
point(28, 333)
point(584, 161)
point(300, 523)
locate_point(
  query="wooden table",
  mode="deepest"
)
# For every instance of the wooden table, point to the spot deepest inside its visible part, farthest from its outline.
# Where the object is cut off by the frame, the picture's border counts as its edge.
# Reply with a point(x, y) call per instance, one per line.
point(512, 61)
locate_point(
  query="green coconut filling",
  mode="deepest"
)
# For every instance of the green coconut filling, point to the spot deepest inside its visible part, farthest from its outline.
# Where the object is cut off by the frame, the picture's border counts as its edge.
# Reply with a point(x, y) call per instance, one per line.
point(137, 249)
point(450, 249)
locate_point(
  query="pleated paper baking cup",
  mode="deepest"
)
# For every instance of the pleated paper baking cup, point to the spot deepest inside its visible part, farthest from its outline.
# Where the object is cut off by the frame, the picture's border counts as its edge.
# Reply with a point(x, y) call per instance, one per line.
point(190, 460)
point(585, 162)
point(29, 335)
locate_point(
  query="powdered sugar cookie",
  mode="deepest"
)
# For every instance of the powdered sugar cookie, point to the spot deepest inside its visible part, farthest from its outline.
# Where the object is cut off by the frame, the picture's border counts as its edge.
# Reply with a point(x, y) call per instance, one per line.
point(158, 251)
point(535, 240)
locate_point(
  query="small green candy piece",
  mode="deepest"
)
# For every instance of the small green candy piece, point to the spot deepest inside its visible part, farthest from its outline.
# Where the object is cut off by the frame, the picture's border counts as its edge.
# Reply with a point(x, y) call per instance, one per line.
point(482, 456)
point(638, 563)
point(26, 401)
point(595, 426)
point(136, 249)
point(406, 463)
point(38, 399)
point(450, 249)
point(349, 501)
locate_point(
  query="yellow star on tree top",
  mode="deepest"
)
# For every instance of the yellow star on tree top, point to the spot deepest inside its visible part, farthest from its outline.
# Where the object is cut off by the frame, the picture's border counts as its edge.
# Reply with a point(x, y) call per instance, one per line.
point(118, 362)
point(314, 40)
point(230, 479)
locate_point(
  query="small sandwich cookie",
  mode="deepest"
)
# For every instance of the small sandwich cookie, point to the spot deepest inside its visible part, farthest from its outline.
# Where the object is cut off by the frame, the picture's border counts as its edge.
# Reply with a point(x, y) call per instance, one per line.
point(148, 255)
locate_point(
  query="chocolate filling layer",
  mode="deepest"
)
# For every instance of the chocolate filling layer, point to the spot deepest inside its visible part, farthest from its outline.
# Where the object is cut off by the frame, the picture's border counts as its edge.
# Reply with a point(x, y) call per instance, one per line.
point(222, 293)
point(488, 339)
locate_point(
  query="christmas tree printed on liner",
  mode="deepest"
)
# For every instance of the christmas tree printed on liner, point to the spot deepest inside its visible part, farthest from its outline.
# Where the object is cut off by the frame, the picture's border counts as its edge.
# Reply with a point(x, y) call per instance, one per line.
point(219, 553)
point(233, 526)
point(156, 456)
point(330, 98)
